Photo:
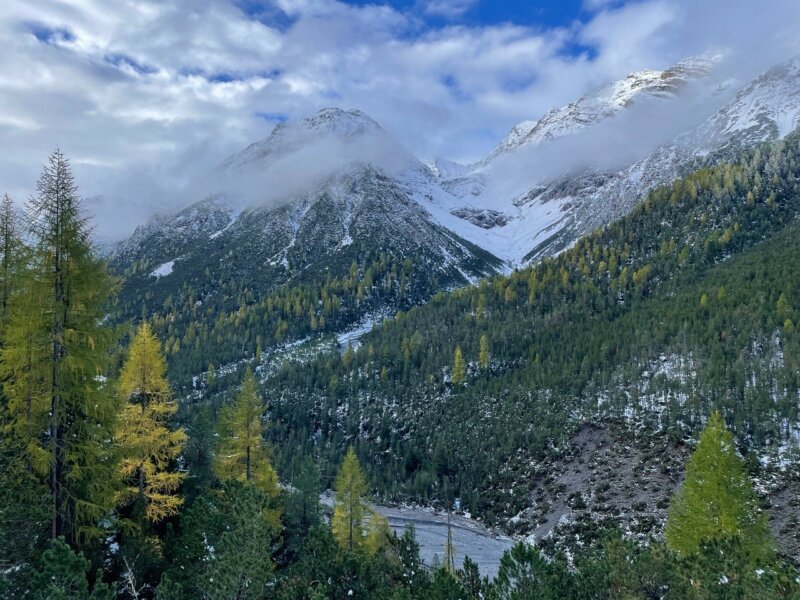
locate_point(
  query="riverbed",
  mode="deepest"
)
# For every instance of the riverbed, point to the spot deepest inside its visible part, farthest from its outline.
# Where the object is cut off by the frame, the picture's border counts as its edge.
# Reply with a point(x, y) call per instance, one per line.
point(470, 537)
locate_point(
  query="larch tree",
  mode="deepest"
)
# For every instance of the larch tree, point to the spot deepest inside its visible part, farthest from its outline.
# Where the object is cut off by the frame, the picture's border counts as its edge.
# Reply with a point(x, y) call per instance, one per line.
point(355, 526)
point(148, 446)
point(241, 453)
point(484, 356)
point(11, 248)
point(24, 499)
point(55, 353)
point(459, 369)
point(717, 500)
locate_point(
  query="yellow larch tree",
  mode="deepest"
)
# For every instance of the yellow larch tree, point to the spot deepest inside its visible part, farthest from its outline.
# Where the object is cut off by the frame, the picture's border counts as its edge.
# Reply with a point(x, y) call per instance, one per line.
point(242, 453)
point(459, 368)
point(148, 446)
point(356, 526)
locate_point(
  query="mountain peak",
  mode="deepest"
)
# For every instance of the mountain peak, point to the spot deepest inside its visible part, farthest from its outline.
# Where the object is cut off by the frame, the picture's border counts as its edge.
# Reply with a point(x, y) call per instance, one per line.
point(607, 101)
point(336, 123)
point(340, 121)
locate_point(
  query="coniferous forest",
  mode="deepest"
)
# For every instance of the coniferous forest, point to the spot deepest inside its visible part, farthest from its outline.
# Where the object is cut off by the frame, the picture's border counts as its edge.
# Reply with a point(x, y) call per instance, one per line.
point(119, 480)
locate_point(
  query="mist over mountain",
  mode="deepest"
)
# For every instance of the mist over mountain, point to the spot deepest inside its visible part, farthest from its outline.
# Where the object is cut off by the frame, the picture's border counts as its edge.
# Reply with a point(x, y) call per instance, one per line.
point(550, 180)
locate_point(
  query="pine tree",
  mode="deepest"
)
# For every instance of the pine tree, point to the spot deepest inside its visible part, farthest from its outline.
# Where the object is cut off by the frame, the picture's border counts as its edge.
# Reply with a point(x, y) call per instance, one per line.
point(484, 356)
point(355, 526)
point(60, 411)
point(444, 586)
point(149, 448)
point(470, 578)
point(62, 576)
point(303, 508)
point(413, 573)
point(716, 500)
point(459, 369)
point(242, 454)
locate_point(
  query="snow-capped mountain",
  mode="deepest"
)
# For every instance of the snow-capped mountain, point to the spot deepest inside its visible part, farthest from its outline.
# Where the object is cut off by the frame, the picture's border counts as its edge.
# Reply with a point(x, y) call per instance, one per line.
point(335, 189)
point(306, 205)
point(519, 207)
point(605, 103)
point(351, 130)
point(766, 109)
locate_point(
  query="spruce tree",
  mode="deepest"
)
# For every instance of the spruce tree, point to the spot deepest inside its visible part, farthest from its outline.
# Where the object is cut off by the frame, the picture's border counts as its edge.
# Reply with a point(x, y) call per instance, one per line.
point(717, 500)
point(61, 411)
point(149, 447)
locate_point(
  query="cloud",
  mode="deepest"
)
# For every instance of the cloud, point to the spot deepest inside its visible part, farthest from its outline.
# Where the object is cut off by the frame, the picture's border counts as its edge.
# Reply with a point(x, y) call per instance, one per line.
point(146, 94)
point(448, 8)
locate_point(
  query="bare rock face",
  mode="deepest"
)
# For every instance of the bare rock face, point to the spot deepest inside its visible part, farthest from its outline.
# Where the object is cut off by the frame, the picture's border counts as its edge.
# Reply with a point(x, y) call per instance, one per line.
point(484, 218)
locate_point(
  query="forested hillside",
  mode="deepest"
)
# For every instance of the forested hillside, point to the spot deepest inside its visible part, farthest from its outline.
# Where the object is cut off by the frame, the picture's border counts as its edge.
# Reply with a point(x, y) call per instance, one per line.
point(687, 305)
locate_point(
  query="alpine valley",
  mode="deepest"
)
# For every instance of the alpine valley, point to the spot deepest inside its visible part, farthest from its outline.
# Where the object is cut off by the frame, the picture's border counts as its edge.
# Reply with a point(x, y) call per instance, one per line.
point(388, 351)
point(541, 338)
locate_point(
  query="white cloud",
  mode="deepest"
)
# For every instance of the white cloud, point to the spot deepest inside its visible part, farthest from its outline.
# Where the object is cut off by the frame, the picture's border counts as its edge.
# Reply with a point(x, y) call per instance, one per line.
point(144, 93)
point(448, 8)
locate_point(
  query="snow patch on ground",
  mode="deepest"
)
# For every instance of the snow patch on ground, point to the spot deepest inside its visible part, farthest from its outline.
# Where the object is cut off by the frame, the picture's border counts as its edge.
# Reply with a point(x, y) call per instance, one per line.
point(163, 270)
point(351, 338)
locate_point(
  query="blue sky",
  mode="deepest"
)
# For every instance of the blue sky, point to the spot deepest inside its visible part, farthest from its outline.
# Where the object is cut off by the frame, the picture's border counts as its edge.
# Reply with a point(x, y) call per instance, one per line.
point(550, 13)
point(143, 93)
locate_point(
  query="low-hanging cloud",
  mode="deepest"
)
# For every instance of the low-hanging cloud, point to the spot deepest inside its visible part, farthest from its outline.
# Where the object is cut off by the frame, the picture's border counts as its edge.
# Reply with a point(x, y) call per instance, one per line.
point(248, 182)
point(621, 140)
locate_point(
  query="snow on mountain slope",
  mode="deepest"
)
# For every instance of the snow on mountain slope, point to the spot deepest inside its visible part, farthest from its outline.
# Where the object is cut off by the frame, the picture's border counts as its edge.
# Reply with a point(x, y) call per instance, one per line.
point(339, 210)
point(766, 109)
point(510, 206)
point(605, 103)
point(519, 206)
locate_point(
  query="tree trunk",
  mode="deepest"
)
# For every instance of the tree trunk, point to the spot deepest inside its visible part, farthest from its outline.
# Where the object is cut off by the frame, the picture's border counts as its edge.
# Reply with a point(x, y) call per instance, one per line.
point(247, 465)
point(57, 471)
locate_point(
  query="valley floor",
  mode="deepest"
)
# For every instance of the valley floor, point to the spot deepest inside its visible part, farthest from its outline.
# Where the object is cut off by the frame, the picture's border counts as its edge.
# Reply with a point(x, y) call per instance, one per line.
point(470, 537)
